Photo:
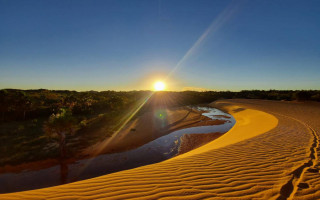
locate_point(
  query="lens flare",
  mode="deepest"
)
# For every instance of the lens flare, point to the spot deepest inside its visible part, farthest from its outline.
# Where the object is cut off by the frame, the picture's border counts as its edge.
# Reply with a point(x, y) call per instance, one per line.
point(159, 86)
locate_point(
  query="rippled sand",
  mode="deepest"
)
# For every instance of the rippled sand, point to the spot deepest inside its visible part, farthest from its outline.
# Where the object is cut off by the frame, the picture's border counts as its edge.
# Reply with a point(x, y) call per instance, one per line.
point(270, 153)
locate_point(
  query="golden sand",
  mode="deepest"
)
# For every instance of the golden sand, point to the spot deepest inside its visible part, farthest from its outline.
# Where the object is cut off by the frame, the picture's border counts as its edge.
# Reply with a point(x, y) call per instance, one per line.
point(257, 159)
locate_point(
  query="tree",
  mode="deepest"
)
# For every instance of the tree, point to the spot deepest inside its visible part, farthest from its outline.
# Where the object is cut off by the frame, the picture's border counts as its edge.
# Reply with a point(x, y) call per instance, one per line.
point(20, 103)
point(25, 104)
point(302, 95)
point(58, 126)
point(4, 103)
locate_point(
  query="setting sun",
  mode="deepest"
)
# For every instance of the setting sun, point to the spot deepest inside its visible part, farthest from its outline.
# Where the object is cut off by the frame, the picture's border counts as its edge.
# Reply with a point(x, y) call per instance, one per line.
point(159, 86)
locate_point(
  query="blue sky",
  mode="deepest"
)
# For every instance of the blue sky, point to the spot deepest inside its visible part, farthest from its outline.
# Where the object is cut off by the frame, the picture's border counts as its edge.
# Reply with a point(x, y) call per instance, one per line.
point(126, 45)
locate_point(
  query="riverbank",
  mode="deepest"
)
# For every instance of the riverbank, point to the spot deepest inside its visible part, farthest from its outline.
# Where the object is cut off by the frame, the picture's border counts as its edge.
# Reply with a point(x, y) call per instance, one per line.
point(52, 172)
point(146, 128)
point(150, 126)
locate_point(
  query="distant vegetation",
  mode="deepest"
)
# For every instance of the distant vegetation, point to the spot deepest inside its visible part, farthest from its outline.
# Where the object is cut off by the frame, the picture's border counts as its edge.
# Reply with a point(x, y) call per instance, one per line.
point(25, 116)
point(31, 104)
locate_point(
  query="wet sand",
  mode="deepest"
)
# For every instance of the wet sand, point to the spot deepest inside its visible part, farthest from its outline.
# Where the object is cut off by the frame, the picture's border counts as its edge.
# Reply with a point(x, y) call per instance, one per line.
point(193, 141)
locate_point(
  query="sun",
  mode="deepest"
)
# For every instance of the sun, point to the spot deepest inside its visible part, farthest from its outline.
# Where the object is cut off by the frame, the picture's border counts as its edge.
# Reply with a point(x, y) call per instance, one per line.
point(159, 86)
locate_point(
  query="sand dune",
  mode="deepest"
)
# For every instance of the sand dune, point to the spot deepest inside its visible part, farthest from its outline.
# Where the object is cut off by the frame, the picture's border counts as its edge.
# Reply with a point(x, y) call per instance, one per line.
point(270, 153)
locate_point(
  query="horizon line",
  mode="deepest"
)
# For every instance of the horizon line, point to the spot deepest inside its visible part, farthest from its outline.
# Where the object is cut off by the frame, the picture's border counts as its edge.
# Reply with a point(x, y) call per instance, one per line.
point(71, 90)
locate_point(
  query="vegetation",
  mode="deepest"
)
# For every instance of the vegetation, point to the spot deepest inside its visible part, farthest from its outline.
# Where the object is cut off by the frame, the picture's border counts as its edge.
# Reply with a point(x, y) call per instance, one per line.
point(59, 126)
point(18, 105)
point(27, 117)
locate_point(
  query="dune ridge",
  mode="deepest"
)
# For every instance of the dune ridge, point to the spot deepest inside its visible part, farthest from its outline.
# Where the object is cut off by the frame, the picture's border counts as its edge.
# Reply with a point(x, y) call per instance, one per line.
point(254, 160)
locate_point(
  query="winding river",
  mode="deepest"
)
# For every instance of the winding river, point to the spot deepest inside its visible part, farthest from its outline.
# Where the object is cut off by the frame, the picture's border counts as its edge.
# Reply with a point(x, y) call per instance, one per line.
point(160, 149)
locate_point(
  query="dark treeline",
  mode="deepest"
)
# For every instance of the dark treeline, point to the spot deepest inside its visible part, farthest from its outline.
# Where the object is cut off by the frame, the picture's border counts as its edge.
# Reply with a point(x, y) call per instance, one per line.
point(31, 104)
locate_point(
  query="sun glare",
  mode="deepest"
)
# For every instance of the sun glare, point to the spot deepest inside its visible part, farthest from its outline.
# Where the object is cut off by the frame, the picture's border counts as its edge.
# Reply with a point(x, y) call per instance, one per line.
point(159, 86)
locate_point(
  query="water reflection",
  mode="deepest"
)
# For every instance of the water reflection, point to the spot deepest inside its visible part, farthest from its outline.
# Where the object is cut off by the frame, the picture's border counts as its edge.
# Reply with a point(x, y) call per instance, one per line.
point(63, 172)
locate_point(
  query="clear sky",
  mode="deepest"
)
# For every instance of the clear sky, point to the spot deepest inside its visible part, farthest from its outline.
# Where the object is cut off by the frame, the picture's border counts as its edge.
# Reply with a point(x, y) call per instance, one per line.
point(191, 44)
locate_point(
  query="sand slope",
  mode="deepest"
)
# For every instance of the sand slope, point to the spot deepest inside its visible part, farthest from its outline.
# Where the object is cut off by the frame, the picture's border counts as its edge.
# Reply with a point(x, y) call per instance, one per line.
point(266, 155)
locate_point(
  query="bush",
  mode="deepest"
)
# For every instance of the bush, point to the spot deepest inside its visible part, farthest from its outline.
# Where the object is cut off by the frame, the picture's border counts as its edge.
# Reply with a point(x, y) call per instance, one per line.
point(302, 95)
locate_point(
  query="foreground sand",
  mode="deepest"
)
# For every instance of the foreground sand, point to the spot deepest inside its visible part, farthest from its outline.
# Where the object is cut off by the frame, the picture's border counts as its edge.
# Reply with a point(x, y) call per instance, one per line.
point(270, 151)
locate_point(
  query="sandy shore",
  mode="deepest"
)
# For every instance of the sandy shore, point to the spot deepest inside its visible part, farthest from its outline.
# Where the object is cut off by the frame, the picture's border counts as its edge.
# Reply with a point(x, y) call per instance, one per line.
point(270, 153)
point(193, 141)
